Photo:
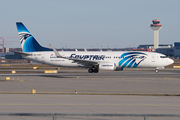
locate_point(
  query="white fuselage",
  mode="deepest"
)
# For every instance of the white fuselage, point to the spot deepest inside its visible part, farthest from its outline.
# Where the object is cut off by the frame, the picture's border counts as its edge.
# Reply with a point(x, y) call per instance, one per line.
point(122, 59)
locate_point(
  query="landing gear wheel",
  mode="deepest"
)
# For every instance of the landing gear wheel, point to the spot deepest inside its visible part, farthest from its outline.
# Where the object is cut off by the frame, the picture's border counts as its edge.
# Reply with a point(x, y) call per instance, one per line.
point(96, 70)
point(157, 71)
point(90, 70)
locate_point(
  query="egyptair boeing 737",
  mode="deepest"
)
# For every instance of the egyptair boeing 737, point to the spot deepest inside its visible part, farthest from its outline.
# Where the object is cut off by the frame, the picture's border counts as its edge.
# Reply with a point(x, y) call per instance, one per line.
point(95, 61)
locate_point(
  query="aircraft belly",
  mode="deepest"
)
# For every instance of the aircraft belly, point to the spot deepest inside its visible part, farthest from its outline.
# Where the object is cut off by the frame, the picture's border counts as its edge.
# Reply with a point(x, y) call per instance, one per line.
point(61, 62)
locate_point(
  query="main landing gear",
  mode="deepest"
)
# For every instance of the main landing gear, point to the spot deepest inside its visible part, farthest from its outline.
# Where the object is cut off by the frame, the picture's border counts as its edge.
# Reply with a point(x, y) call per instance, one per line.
point(93, 70)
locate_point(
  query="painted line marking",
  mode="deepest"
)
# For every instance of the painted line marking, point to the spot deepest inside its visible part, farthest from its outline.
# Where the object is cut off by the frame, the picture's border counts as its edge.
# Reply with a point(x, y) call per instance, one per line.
point(150, 105)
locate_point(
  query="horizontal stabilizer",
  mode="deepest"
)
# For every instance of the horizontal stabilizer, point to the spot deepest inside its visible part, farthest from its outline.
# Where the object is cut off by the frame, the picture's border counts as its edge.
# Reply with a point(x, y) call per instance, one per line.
point(22, 53)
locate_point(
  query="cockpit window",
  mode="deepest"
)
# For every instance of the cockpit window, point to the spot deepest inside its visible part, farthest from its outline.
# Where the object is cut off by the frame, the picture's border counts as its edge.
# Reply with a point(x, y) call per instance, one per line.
point(163, 57)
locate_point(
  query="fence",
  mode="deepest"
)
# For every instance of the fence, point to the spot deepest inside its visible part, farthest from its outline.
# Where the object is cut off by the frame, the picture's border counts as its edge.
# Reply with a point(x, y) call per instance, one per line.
point(54, 115)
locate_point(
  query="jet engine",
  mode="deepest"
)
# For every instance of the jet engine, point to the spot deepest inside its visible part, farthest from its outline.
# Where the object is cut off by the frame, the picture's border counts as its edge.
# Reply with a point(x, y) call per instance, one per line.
point(107, 66)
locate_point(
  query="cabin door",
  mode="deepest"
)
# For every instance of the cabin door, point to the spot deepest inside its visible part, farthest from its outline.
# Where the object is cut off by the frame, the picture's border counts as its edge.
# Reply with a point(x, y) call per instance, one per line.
point(43, 59)
point(153, 58)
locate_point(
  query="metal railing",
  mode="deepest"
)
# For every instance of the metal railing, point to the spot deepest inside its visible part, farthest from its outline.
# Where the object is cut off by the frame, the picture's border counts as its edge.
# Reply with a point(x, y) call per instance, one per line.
point(54, 115)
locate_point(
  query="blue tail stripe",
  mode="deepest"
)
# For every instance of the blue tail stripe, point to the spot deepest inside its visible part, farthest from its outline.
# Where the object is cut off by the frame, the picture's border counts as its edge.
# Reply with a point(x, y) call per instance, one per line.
point(31, 45)
point(21, 27)
point(28, 45)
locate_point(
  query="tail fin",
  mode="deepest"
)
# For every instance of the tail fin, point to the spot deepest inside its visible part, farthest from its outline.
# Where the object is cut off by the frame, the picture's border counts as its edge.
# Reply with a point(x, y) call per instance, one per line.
point(28, 42)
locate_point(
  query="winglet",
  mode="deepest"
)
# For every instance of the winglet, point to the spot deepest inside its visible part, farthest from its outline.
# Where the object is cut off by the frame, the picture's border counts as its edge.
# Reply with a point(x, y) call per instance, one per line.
point(56, 53)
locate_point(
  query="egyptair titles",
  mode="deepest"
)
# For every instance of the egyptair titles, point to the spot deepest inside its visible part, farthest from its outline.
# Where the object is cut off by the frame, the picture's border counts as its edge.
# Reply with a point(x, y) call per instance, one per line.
point(87, 57)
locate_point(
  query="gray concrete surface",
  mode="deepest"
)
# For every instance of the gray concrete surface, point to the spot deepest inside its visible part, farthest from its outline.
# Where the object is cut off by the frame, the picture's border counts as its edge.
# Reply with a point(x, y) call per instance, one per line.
point(38, 103)
point(141, 81)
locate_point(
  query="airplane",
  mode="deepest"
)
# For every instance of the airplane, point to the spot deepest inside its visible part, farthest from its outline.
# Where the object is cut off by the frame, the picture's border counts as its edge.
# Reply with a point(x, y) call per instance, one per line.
point(93, 60)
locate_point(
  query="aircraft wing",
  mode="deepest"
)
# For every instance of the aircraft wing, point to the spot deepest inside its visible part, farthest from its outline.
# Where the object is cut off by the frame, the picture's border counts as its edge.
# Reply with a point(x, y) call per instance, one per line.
point(78, 61)
point(84, 62)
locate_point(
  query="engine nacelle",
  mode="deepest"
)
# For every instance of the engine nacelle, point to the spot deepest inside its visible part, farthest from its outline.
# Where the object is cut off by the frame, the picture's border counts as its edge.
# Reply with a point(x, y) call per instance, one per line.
point(107, 66)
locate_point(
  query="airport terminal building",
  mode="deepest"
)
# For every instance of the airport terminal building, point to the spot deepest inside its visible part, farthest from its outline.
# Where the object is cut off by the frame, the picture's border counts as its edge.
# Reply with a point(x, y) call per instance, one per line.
point(167, 49)
point(170, 50)
point(177, 50)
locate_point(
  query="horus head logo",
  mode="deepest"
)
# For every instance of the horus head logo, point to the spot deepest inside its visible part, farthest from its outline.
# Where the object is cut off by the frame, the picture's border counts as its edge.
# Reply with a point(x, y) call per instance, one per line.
point(131, 59)
point(23, 37)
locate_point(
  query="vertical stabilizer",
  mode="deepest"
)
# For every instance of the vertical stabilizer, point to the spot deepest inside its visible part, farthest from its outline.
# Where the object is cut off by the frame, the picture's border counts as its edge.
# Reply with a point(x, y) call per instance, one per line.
point(28, 42)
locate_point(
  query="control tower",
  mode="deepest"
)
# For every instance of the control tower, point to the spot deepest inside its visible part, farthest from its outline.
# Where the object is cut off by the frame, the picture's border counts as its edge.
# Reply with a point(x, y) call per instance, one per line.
point(156, 27)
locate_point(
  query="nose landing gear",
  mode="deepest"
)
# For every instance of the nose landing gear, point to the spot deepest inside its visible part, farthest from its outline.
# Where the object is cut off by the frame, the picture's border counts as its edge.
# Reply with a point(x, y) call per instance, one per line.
point(157, 69)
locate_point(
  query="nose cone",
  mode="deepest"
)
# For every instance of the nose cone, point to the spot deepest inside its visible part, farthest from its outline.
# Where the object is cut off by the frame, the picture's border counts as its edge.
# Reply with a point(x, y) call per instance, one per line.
point(170, 61)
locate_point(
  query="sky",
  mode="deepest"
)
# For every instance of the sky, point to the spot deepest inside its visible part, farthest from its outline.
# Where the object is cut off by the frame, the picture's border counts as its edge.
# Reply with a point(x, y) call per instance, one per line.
point(91, 23)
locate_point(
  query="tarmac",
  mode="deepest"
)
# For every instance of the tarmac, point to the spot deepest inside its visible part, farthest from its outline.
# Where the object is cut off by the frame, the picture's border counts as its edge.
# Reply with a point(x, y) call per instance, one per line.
point(131, 91)
point(129, 81)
